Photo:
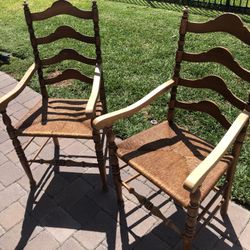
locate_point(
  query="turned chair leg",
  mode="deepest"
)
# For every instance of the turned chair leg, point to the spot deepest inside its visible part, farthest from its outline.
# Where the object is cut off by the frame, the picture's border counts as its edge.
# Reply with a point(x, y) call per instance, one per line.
point(18, 148)
point(115, 166)
point(191, 220)
point(100, 158)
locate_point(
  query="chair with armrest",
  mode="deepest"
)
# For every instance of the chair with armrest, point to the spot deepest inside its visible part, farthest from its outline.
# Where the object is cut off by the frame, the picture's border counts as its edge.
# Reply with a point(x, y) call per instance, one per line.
point(177, 161)
point(58, 117)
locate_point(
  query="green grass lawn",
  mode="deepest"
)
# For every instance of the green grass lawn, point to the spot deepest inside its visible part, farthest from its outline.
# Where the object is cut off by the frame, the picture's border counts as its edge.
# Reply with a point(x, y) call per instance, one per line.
point(138, 44)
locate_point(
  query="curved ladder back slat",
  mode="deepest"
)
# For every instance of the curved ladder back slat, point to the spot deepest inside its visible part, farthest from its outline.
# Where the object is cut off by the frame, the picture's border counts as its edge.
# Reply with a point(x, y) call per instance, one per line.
point(61, 7)
point(65, 32)
point(229, 23)
point(219, 55)
point(69, 74)
point(68, 54)
point(217, 84)
point(207, 107)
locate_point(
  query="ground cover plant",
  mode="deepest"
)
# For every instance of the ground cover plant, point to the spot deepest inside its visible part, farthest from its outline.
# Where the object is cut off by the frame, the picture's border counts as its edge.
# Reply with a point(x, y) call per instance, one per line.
point(138, 45)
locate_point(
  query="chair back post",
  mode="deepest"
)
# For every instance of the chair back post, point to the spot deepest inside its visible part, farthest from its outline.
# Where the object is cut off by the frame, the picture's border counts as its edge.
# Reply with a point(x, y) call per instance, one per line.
point(178, 60)
point(98, 52)
point(34, 44)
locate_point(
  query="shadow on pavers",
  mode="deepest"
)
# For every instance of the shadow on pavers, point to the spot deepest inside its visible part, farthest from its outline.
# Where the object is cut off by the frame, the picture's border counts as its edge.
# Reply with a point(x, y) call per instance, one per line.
point(74, 200)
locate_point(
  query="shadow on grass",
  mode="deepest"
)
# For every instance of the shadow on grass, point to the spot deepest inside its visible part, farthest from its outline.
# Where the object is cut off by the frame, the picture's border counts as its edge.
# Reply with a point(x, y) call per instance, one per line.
point(178, 6)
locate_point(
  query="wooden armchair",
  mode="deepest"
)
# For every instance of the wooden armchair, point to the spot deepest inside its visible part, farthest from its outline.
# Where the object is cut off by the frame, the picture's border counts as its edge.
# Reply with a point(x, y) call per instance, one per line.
point(180, 163)
point(56, 118)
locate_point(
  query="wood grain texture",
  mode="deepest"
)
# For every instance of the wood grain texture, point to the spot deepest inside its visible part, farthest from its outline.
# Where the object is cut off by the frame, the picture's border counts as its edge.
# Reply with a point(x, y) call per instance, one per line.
point(69, 74)
point(206, 107)
point(108, 119)
point(68, 54)
point(65, 32)
point(196, 177)
point(222, 56)
point(4, 100)
point(228, 22)
point(61, 7)
point(217, 84)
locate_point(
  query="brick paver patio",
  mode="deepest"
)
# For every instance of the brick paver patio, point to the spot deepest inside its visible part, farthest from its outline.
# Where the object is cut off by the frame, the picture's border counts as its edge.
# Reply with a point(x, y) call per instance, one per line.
point(69, 210)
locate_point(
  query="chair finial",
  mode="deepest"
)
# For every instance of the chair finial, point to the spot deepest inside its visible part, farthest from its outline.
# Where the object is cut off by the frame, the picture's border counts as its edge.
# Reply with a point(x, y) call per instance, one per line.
point(185, 12)
point(94, 6)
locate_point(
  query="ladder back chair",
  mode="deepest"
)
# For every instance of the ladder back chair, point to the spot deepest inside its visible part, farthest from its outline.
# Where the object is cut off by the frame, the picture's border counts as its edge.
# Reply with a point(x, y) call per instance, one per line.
point(177, 161)
point(56, 118)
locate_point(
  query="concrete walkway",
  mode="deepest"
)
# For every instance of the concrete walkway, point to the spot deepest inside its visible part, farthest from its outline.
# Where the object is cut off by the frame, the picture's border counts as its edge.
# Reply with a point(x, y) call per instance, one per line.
point(69, 211)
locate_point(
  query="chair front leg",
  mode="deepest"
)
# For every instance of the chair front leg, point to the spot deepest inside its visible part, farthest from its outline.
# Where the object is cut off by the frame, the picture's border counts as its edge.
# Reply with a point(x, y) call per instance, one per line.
point(191, 220)
point(100, 158)
point(18, 148)
point(115, 165)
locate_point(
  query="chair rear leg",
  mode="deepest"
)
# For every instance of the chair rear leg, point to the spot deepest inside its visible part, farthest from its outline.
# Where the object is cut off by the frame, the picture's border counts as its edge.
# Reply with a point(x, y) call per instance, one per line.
point(115, 166)
point(191, 220)
point(18, 148)
point(100, 158)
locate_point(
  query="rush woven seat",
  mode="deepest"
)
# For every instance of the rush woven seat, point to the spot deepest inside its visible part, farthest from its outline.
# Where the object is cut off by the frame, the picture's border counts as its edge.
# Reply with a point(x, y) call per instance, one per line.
point(56, 118)
point(182, 164)
point(166, 155)
point(65, 118)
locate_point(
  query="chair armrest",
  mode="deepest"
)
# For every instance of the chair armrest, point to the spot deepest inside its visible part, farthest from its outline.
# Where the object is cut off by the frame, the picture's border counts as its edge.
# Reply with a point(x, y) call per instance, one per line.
point(108, 119)
point(90, 107)
point(4, 100)
point(196, 177)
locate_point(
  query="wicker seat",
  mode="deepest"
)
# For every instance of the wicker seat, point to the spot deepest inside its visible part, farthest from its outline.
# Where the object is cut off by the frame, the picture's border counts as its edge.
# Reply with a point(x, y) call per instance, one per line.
point(65, 118)
point(177, 161)
point(166, 155)
point(56, 118)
